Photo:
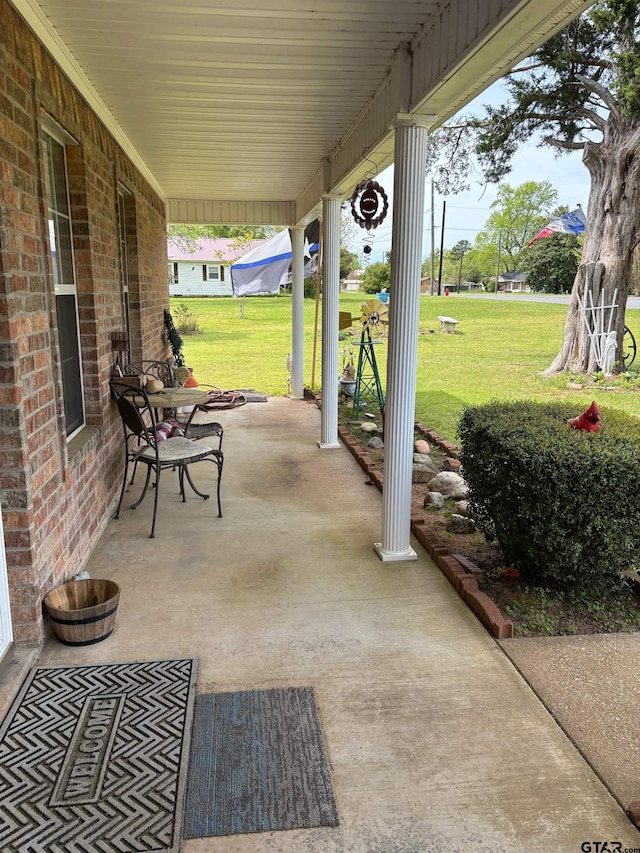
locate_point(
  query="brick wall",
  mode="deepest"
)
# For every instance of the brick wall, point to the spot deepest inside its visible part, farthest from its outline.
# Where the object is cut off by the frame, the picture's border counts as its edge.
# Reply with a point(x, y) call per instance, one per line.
point(57, 495)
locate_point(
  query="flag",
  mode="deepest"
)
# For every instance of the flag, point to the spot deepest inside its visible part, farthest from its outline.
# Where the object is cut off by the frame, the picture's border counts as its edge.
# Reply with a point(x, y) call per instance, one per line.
point(267, 268)
point(311, 248)
point(263, 269)
point(568, 223)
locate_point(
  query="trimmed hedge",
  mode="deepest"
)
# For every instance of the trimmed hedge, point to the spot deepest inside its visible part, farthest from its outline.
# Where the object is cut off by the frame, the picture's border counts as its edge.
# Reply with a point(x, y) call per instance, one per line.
point(563, 504)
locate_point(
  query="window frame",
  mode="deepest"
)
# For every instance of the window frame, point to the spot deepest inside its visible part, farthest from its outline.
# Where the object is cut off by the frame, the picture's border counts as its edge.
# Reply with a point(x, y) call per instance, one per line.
point(73, 396)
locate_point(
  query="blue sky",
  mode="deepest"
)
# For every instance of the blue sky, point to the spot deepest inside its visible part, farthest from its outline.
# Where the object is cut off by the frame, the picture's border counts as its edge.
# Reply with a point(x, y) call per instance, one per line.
point(467, 212)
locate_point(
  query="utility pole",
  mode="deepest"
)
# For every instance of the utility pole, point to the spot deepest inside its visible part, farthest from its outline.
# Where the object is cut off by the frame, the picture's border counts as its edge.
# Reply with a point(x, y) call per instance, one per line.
point(433, 244)
point(444, 210)
point(498, 263)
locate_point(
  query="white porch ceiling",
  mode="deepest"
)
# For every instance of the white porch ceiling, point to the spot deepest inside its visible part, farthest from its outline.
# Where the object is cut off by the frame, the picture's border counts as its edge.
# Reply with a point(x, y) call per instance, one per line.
point(249, 110)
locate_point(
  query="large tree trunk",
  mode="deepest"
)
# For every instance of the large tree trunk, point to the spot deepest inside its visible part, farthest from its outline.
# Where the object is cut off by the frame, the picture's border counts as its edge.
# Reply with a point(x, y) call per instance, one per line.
point(611, 233)
point(635, 273)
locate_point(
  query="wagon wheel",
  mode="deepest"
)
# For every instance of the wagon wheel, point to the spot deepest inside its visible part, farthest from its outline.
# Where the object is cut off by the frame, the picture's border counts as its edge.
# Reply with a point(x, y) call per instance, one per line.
point(628, 347)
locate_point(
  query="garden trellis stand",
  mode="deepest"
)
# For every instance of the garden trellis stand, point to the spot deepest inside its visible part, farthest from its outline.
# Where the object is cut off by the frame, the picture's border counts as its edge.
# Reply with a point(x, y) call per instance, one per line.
point(599, 329)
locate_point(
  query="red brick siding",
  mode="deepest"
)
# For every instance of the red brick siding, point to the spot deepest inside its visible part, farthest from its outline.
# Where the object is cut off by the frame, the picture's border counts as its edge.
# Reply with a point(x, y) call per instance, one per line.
point(56, 500)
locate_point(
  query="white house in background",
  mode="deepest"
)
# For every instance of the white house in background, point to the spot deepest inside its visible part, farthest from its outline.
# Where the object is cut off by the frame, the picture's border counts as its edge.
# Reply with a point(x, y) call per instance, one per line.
point(513, 282)
point(207, 270)
point(353, 281)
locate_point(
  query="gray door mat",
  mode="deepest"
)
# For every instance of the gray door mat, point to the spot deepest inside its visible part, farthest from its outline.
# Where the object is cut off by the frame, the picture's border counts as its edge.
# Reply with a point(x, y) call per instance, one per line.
point(257, 764)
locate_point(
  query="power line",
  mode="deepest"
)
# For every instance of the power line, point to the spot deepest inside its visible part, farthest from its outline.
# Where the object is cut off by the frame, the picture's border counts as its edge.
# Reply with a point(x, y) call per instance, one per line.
point(460, 207)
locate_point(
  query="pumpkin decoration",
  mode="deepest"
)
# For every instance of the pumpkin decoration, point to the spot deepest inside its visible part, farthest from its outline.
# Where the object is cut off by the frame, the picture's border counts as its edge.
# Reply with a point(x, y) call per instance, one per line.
point(154, 385)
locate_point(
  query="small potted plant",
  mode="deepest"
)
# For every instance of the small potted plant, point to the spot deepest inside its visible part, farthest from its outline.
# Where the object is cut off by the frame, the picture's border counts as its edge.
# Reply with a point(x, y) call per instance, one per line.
point(347, 378)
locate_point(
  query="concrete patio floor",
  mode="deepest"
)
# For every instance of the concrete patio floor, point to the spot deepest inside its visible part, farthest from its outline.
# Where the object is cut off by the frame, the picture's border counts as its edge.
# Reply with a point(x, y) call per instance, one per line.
point(435, 741)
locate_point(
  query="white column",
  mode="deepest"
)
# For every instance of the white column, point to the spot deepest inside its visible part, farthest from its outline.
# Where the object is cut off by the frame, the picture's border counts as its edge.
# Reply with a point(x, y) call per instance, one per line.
point(404, 312)
point(297, 313)
point(330, 316)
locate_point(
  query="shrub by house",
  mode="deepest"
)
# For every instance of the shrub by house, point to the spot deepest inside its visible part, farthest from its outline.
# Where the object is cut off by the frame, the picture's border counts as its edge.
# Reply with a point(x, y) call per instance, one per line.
point(563, 503)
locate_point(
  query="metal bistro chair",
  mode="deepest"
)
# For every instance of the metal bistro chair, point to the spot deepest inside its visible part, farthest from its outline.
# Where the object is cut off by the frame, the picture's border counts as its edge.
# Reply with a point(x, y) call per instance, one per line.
point(155, 369)
point(143, 447)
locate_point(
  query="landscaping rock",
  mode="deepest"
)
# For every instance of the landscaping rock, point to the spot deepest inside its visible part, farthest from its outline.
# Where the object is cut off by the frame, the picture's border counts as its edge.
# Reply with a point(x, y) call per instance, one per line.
point(460, 524)
point(461, 508)
point(434, 499)
point(449, 464)
point(449, 484)
point(375, 442)
point(422, 459)
point(423, 472)
point(421, 446)
point(367, 426)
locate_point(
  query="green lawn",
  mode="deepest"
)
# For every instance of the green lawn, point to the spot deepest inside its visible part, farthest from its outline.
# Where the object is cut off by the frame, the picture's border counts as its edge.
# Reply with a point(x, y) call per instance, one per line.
point(498, 352)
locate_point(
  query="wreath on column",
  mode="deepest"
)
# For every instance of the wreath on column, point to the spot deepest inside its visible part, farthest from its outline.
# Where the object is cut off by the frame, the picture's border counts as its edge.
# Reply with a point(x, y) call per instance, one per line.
point(175, 340)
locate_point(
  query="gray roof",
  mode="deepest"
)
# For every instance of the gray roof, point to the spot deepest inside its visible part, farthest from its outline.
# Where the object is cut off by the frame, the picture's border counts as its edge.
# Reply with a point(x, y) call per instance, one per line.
point(512, 276)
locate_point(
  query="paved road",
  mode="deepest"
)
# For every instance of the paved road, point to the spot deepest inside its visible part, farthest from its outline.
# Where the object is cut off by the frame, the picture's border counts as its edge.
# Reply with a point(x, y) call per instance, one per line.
point(560, 299)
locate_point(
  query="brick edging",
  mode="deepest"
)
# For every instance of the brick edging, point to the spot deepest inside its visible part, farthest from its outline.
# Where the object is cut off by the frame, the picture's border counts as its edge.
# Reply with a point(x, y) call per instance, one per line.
point(448, 447)
point(459, 574)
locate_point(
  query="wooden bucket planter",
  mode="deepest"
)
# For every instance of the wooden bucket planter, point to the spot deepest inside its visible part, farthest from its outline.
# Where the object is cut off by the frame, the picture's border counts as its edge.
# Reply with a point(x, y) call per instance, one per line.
point(83, 612)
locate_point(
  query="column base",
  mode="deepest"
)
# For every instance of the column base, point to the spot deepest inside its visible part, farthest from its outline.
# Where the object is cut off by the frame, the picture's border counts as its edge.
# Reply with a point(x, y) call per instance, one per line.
point(324, 445)
point(296, 397)
point(394, 556)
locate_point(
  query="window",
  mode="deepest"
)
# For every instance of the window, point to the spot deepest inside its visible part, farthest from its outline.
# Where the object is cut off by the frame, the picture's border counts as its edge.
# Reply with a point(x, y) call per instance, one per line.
point(61, 244)
point(210, 273)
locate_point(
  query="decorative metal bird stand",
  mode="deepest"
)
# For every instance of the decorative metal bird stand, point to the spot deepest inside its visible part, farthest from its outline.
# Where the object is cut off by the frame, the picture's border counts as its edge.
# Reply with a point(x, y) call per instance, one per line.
point(588, 420)
point(375, 315)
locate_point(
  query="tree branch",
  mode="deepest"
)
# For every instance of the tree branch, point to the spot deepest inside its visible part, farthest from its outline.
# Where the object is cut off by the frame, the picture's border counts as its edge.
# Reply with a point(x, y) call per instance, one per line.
point(456, 145)
point(523, 68)
point(566, 146)
point(602, 63)
point(460, 127)
point(602, 92)
point(545, 118)
point(593, 122)
point(594, 118)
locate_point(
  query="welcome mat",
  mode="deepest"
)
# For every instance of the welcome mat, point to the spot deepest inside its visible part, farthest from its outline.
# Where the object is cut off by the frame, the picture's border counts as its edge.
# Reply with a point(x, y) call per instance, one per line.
point(94, 758)
point(257, 764)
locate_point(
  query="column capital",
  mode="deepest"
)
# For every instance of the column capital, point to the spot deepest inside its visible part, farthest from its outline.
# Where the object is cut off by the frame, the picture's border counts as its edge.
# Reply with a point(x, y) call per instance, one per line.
point(332, 197)
point(413, 120)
